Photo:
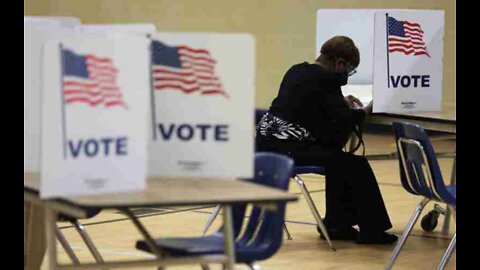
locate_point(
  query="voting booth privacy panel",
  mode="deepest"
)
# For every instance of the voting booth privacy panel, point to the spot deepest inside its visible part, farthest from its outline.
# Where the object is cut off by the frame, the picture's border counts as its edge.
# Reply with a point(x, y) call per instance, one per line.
point(36, 31)
point(361, 25)
point(116, 30)
point(202, 116)
point(357, 24)
point(104, 103)
point(408, 61)
point(69, 22)
point(95, 96)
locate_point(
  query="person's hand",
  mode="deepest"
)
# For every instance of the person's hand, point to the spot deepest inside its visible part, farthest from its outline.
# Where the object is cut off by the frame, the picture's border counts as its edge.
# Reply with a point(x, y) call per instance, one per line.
point(353, 102)
point(369, 108)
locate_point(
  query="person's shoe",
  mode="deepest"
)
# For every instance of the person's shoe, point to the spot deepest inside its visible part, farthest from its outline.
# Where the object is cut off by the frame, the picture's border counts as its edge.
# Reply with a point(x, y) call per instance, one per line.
point(380, 238)
point(340, 234)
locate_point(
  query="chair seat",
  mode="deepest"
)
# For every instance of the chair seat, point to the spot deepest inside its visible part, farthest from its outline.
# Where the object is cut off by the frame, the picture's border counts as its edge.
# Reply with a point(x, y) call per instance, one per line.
point(271, 170)
point(212, 244)
point(309, 169)
point(197, 246)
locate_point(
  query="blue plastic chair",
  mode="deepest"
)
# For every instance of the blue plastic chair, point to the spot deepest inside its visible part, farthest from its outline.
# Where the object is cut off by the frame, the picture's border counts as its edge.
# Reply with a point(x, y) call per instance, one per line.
point(216, 211)
point(262, 236)
point(298, 170)
point(420, 175)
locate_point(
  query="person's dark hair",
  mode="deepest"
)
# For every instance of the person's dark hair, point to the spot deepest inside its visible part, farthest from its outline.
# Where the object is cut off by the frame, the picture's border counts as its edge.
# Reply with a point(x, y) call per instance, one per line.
point(340, 47)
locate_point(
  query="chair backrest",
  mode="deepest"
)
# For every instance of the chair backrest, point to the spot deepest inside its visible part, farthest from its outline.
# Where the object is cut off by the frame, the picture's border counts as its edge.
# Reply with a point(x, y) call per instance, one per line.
point(264, 231)
point(419, 170)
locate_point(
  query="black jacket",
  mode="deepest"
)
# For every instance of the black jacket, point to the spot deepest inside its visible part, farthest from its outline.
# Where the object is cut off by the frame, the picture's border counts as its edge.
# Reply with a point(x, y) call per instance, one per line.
point(311, 96)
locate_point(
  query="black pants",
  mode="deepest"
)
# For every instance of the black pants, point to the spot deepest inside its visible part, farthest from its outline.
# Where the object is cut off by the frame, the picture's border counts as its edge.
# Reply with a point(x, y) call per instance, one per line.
point(352, 193)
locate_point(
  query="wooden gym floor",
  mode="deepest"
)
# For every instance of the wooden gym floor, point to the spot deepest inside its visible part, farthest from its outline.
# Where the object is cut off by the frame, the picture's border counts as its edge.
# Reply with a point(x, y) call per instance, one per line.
point(115, 235)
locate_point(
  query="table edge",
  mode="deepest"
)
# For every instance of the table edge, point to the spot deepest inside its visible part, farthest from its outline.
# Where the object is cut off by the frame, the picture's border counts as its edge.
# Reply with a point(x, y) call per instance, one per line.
point(414, 117)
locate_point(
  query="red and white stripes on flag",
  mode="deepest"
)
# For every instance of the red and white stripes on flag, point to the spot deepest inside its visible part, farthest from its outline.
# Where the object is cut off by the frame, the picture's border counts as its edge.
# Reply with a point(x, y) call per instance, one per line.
point(186, 69)
point(90, 79)
point(406, 37)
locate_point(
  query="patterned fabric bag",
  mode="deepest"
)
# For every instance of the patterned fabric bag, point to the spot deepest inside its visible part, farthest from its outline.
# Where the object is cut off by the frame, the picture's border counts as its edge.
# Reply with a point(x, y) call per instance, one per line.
point(274, 126)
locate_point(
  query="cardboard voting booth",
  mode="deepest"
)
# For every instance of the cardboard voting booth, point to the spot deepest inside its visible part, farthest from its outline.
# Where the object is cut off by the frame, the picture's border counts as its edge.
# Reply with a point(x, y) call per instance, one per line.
point(362, 27)
point(105, 103)
point(408, 61)
point(357, 24)
point(202, 118)
point(69, 22)
point(116, 30)
point(95, 96)
point(37, 31)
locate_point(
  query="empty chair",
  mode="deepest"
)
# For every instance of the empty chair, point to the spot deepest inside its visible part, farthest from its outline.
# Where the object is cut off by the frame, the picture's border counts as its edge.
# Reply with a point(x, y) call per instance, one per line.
point(262, 236)
point(420, 175)
point(258, 115)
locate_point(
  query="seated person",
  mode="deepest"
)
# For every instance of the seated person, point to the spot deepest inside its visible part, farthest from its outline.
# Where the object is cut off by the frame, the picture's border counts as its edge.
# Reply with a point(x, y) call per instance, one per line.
point(310, 120)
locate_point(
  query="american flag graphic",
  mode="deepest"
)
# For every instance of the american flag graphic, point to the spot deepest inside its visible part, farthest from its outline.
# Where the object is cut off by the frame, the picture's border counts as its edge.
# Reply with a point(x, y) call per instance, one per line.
point(406, 37)
point(90, 79)
point(186, 69)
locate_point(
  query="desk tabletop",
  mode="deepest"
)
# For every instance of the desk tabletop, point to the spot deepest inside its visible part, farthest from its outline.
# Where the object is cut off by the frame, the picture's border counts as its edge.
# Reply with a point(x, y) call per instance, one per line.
point(442, 116)
point(175, 192)
point(445, 120)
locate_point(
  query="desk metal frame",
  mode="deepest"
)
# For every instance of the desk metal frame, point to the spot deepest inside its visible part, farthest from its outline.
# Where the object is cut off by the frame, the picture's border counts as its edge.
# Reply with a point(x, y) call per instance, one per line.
point(53, 207)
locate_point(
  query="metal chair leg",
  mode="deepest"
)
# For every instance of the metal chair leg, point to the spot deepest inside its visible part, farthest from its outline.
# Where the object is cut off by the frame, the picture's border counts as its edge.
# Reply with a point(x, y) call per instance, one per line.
point(289, 237)
point(453, 210)
point(453, 179)
point(66, 246)
point(254, 266)
point(313, 209)
point(446, 221)
point(88, 241)
point(212, 217)
point(448, 253)
point(215, 213)
point(257, 228)
point(440, 209)
point(407, 231)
